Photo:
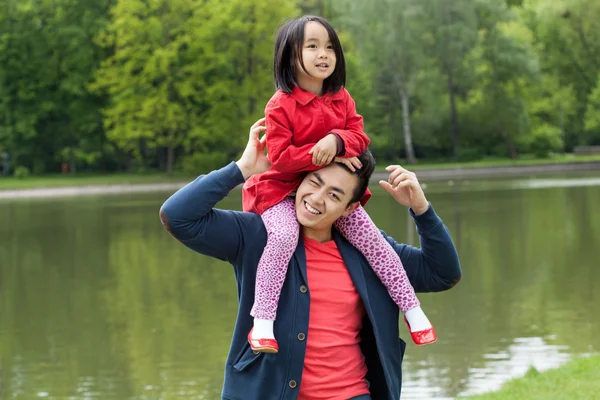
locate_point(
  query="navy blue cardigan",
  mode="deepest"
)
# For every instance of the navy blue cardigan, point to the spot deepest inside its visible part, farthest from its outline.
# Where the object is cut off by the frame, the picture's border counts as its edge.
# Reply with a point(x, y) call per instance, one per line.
point(239, 238)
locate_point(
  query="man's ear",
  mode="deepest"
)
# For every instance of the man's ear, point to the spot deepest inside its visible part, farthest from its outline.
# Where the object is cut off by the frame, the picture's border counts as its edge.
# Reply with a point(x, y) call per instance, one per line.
point(351, 207)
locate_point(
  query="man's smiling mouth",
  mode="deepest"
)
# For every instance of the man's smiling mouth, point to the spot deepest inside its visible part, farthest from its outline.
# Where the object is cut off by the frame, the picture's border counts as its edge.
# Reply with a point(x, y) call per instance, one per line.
point(311, 209)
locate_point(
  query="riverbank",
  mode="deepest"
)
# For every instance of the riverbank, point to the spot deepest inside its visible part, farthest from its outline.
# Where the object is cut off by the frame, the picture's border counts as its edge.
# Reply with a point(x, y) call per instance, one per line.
point(578, 379)
point(66, 186)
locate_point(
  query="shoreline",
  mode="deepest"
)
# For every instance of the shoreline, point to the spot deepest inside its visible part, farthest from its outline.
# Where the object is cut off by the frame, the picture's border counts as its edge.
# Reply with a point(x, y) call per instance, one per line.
point(577, 379)
point(433, 174)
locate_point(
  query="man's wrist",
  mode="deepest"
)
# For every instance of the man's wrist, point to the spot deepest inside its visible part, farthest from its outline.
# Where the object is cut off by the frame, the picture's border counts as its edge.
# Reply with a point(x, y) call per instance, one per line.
point(246, 173)
point(421, 209)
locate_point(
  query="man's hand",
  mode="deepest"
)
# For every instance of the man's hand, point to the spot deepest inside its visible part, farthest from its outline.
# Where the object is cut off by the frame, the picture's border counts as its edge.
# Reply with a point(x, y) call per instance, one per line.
point(324, 151)
point(405, 189)
point(253, 160)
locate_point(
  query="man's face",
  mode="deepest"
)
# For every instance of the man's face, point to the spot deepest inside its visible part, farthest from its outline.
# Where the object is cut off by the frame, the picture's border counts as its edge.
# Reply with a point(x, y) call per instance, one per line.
point(323, 197)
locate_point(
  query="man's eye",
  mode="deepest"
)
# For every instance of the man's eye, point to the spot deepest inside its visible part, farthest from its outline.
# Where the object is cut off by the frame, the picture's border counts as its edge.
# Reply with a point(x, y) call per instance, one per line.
point(314, 183)
point(335, 196)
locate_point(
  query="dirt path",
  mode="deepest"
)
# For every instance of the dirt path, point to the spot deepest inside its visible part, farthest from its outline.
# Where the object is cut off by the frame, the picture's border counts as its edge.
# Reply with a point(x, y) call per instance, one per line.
point(424, 175)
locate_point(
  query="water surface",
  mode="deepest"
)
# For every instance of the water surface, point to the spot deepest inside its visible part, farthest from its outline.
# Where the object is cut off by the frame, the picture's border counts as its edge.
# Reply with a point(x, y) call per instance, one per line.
point(98, 302)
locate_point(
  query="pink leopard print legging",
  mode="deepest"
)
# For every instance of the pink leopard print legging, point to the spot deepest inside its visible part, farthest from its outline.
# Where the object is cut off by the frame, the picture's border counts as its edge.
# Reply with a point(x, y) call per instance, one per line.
point(358, 228)
point(282, 238)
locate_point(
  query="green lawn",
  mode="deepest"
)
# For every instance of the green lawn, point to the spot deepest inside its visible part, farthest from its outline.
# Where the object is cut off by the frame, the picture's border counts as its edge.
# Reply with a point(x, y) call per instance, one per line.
point(86, 179)
point(498, 162)
point(577, 380)
point(98, 179)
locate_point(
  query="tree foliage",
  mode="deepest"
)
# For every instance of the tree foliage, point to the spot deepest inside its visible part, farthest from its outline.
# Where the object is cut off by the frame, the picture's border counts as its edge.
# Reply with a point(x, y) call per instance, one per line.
point(111, 85)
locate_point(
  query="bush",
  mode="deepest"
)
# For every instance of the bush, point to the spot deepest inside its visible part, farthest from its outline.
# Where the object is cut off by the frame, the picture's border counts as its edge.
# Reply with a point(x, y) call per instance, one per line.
point(21, 172)
point(201, 163)
point(546, 139)
point(470, 154)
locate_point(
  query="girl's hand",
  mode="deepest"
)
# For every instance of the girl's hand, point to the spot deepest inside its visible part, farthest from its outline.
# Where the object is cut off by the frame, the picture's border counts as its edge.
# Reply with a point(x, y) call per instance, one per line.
point(324, 151)
point(353, 163)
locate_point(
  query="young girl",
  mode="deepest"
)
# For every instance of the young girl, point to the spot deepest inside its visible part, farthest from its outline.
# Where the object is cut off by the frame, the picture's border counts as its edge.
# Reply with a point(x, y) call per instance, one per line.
point(311, 120)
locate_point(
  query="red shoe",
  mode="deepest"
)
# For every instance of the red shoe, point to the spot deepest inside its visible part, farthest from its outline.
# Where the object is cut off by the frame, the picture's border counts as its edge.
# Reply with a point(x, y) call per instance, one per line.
point(421, 338)
point(263, 345)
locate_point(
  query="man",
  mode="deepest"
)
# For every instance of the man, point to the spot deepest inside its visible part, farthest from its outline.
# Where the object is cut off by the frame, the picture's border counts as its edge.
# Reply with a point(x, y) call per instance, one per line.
point(337, 325)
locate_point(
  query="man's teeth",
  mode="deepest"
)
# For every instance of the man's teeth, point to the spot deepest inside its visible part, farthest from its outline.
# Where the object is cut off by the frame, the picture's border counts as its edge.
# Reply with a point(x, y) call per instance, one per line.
point(312, 210)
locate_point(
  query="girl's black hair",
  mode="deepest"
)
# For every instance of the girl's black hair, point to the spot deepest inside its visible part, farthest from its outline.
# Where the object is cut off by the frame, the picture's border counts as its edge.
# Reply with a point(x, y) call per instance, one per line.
point(288, 49)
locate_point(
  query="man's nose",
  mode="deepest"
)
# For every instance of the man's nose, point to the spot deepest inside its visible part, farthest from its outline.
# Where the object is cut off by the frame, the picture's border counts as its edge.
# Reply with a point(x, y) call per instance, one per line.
point(319, 197)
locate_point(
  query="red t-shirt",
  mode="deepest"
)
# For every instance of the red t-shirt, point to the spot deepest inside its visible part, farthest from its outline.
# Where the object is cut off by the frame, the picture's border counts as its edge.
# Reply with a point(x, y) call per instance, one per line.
point(334, 366)
point(295, 123)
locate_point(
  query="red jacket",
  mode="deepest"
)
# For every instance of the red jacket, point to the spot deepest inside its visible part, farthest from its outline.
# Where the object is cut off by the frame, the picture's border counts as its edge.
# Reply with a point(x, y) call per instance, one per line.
point(295, 123)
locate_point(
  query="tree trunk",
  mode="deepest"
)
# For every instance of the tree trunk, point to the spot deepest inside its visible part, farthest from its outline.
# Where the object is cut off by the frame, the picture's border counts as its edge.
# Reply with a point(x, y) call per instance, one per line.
point(72, 163)
point(408, 144)
point(128, 161)
point(161, 153)
point(143, 146)
point(453, 115)
point(392, 151)
point(170, 157)
point(512, 150)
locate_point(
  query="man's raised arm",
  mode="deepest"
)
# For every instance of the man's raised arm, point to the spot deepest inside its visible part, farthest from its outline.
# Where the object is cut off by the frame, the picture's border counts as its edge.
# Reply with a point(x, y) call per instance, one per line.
point(435, 266)
point(189, 214)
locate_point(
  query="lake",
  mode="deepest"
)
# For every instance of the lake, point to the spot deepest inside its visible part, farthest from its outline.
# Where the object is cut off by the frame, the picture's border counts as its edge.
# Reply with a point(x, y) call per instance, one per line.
point(97, 301)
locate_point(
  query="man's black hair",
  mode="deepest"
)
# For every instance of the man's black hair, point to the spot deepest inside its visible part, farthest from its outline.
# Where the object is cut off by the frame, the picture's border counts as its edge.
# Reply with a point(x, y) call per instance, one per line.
point(364, 174)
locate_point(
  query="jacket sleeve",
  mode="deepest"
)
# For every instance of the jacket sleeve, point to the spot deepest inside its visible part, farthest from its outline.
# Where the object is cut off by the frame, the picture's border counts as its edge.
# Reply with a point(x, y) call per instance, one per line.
point(353, 135)
point(284, 156)
point(190, 217)
point(435, 266)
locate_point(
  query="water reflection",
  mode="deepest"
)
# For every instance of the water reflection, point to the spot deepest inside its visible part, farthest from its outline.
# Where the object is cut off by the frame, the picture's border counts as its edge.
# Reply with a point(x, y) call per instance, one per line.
point(98, 302)
point(497, 368)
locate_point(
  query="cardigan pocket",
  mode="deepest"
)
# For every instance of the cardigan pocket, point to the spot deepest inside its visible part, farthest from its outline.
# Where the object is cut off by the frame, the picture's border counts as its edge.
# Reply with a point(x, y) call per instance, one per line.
point(246, 358)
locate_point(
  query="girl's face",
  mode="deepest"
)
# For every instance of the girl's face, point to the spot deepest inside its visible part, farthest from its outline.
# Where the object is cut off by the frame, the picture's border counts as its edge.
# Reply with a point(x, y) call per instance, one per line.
point(318, 55)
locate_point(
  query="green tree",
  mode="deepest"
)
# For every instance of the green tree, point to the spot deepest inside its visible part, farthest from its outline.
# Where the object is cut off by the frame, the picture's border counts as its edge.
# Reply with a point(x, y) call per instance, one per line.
point(233, 72)
point(550, 107)
point(47, 55)
point(453, 28)
point(149, 93)
point(567, 35)
point(592, 116)
point(505, 65)
point(390, 35)
point(187, 74)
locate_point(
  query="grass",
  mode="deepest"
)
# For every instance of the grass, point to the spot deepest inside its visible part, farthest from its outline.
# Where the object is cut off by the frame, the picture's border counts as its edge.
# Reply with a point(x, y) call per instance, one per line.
point(58, 180)
point(499, 162)
point(87, 179)
point(578, 379)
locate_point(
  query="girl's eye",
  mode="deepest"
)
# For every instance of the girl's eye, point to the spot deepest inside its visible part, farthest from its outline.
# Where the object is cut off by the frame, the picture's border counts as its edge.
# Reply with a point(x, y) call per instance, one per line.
point(312, 46)
point(330, 47)
point(314, 183)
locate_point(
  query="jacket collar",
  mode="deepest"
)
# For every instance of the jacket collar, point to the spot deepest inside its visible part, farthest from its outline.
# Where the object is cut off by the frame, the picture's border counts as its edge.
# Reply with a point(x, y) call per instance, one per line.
point(304, 97)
